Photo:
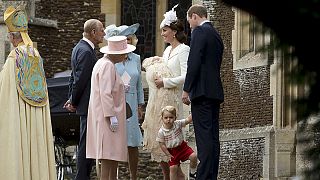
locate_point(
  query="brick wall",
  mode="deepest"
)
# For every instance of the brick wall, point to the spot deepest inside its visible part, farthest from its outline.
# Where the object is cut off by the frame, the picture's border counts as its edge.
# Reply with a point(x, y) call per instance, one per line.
point(247, 102)
point(55, 45)
point(242, 159)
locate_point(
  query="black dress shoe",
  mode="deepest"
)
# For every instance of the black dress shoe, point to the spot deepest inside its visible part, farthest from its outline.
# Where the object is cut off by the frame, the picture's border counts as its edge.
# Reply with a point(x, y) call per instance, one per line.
point(193, 176)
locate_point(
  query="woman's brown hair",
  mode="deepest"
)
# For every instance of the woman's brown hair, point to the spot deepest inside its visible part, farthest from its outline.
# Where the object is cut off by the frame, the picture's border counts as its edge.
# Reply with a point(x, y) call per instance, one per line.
point(180, 35)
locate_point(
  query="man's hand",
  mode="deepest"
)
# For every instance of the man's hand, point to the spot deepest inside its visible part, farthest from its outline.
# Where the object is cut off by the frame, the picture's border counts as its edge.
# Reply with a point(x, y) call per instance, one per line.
point(185, 98)
point(69, 106)
point(114, 123)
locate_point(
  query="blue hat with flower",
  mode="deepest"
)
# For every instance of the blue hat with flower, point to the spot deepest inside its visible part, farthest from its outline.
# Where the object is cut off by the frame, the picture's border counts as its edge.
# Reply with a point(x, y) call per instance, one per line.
point(124, 30)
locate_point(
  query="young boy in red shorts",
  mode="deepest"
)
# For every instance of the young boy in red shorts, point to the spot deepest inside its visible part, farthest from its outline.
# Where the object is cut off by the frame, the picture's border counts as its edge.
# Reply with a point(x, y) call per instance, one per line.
point(171, 140)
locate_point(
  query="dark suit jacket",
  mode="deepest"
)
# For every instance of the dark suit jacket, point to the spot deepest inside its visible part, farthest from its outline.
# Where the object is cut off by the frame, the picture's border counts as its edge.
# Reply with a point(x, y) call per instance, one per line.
point(203, 72)
point(83, 59)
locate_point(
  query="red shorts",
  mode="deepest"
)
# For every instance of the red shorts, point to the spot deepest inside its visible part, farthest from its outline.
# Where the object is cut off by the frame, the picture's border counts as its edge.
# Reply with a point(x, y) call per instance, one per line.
point(180, 153)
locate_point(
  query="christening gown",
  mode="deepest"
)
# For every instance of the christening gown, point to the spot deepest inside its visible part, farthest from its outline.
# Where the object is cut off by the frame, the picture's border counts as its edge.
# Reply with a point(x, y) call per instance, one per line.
point(158, 98)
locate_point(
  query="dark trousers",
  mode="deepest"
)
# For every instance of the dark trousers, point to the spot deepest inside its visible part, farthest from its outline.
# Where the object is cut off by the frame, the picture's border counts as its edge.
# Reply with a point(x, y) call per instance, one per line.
point(205, 115)
point(84, 165)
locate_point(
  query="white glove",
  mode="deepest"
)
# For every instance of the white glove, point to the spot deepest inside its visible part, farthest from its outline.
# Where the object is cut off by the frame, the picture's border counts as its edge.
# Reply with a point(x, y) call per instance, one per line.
point(114, 123)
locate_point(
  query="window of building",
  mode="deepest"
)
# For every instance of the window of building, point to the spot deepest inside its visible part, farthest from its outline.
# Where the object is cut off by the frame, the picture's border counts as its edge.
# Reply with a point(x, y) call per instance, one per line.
point(249, 39)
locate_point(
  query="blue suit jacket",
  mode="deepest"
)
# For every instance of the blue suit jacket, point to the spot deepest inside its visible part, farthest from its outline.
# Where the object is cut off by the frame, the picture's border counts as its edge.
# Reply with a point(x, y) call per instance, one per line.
point(204, 61)
point(83, 59)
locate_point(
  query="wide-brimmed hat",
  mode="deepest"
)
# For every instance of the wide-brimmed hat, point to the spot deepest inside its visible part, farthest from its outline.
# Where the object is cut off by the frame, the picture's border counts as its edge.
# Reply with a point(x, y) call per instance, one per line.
point(117, 45)
point(123, 30)
point(128, 30)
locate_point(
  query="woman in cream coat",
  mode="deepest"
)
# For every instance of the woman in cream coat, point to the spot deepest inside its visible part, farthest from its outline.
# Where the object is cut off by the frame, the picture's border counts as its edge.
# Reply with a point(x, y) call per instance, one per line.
point(175, 57)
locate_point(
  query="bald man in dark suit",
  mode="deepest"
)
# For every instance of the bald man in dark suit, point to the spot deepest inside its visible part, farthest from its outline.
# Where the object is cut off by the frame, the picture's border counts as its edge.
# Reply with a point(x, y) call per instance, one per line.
point(83, 59)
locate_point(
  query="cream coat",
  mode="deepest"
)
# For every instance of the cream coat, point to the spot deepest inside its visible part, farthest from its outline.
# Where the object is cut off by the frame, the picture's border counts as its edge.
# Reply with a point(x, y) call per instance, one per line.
point(177, 63)
point(107, 98)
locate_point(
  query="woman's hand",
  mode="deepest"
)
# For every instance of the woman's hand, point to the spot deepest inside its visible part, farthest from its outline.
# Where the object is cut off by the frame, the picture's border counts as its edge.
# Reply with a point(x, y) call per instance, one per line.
point(114, 123)
point(159, 82)
point(156, 58)
point(126, 88)
point(140, 112)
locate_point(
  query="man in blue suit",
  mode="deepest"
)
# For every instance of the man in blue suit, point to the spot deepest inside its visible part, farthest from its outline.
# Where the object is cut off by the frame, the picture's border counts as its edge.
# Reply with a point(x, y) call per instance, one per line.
point(203, 87)
point(83, 59)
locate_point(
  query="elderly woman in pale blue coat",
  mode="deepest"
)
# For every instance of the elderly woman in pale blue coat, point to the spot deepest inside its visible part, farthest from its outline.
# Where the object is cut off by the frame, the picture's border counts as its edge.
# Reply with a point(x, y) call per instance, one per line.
point(134, 92)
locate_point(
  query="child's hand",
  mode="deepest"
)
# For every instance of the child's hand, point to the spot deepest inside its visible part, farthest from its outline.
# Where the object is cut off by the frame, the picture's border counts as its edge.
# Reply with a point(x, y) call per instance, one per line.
point(169, 155)
point(189, 119)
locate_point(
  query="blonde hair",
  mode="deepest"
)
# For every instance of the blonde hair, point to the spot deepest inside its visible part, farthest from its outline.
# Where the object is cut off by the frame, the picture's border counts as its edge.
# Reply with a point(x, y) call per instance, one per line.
point(134, 39)
point(171, 109)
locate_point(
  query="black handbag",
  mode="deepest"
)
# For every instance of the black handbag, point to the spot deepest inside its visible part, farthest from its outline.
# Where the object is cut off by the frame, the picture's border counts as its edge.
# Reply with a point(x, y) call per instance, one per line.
point(128, 111)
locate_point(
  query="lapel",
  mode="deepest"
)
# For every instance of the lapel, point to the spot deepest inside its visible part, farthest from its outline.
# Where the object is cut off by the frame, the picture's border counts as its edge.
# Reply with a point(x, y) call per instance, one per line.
point(85, 43)
point(120, 68)
point(174, 52)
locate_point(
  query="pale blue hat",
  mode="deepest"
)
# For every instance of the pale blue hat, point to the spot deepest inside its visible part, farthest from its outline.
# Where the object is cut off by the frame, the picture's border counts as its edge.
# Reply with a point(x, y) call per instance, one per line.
point(124, 30)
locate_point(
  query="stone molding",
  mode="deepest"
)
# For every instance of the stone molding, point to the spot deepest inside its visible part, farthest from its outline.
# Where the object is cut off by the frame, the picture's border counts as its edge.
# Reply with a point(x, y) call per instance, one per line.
point(247, 133)
point(40, 22)
point(279, 149)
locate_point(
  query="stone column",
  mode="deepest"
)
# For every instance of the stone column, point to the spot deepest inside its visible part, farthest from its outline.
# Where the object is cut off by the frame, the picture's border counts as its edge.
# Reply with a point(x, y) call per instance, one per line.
point(285, 153)
point(161, 10)
point(284, 118)
point(112, 11)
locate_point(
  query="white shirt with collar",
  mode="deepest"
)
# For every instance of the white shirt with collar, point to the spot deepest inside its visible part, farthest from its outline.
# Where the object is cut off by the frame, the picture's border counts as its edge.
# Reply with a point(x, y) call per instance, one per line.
point(203, 22)
point(88, 41)
point(172, 137)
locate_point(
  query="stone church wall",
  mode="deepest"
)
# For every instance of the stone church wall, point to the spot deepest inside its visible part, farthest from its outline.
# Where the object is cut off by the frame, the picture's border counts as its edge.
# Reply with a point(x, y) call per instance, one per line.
point(55, 45)
point(247, 104)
